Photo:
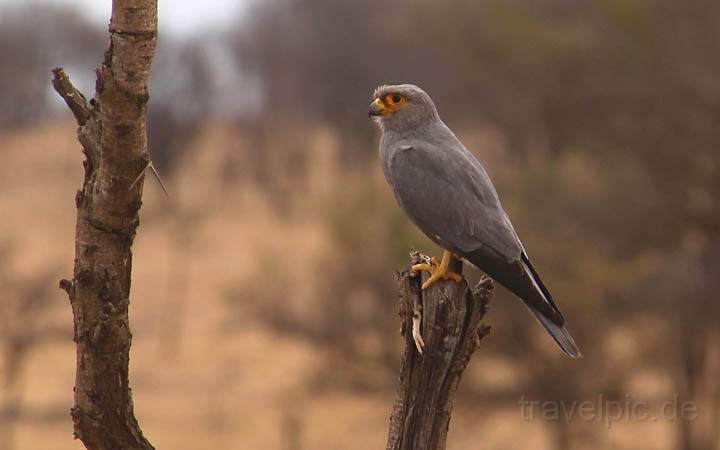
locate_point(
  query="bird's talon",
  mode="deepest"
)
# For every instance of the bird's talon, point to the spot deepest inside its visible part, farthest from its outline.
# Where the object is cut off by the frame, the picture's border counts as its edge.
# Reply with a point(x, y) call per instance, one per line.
point(439, 270)
point(422, 267)
point(453, 276)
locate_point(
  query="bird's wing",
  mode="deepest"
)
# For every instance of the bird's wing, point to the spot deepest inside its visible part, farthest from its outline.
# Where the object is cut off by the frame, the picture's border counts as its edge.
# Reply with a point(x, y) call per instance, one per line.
point(448, 194)
point(450, 197)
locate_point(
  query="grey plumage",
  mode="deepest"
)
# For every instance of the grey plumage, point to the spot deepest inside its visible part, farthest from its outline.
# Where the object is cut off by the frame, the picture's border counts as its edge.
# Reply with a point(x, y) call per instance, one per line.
point(446, 192)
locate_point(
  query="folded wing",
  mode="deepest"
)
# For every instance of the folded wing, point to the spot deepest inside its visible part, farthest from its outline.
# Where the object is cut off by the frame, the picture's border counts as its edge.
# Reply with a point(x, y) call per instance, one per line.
point(450, 197)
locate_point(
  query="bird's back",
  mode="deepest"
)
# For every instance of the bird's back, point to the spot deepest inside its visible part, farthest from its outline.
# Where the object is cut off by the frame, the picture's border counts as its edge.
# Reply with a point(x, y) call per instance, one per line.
point(445, 190)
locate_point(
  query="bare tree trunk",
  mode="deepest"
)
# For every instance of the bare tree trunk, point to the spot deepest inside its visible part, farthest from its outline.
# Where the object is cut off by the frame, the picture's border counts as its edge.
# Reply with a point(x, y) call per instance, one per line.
point(112, 133)
point(451, 330)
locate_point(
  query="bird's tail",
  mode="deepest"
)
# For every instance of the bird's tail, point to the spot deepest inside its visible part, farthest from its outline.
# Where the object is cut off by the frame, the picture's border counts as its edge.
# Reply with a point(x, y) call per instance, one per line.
point(556, 328)
point(520, 277)
point(558, 332)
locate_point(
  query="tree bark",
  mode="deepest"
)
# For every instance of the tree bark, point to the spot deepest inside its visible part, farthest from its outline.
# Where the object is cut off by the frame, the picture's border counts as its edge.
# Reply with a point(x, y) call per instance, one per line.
point(451, 330)
point(113, 136)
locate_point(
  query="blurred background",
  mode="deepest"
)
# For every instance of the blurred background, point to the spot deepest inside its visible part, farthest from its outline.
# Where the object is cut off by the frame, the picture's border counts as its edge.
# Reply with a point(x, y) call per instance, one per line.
point(264, 305)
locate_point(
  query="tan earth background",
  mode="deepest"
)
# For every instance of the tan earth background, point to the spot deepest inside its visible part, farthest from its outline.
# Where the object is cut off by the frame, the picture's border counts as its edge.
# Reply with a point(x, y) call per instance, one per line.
point(264, 305)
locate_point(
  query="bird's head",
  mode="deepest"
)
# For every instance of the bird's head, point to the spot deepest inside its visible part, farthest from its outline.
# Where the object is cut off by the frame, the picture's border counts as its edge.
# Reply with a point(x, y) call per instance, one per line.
point(402, 106)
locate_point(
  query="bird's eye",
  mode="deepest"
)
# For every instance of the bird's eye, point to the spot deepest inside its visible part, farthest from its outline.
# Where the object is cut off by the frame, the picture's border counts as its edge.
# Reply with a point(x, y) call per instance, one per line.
point(394, 99)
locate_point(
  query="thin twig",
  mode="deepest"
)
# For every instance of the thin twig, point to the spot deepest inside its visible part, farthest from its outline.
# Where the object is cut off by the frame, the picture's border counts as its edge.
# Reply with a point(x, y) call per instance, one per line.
point(157, 177)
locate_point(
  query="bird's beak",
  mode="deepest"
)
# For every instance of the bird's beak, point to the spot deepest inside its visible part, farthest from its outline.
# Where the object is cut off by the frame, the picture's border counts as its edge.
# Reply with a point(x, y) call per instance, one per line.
point(377, 108)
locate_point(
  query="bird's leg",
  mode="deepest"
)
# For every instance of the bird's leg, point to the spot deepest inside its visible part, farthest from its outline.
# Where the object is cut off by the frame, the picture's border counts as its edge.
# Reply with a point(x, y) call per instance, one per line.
point(438, 270)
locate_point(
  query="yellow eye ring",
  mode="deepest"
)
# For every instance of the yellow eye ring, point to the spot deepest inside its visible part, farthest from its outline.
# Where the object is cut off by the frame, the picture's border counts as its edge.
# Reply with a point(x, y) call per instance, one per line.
point(394, 100)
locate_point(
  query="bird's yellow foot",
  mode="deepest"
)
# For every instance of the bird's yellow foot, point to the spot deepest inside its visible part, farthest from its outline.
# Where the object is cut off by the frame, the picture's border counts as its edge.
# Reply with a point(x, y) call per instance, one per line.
point(439, 270)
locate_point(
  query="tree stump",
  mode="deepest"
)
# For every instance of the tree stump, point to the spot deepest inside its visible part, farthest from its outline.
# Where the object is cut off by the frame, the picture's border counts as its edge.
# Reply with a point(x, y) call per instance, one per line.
point(449, 316)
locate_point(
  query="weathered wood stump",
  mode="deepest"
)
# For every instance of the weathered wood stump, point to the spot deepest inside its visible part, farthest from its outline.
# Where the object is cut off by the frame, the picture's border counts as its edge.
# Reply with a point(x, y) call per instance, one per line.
point(451, 325)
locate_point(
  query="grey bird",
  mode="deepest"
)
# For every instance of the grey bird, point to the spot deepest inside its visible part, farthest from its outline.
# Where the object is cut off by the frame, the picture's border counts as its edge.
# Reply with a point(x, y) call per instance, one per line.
point(446, 192)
